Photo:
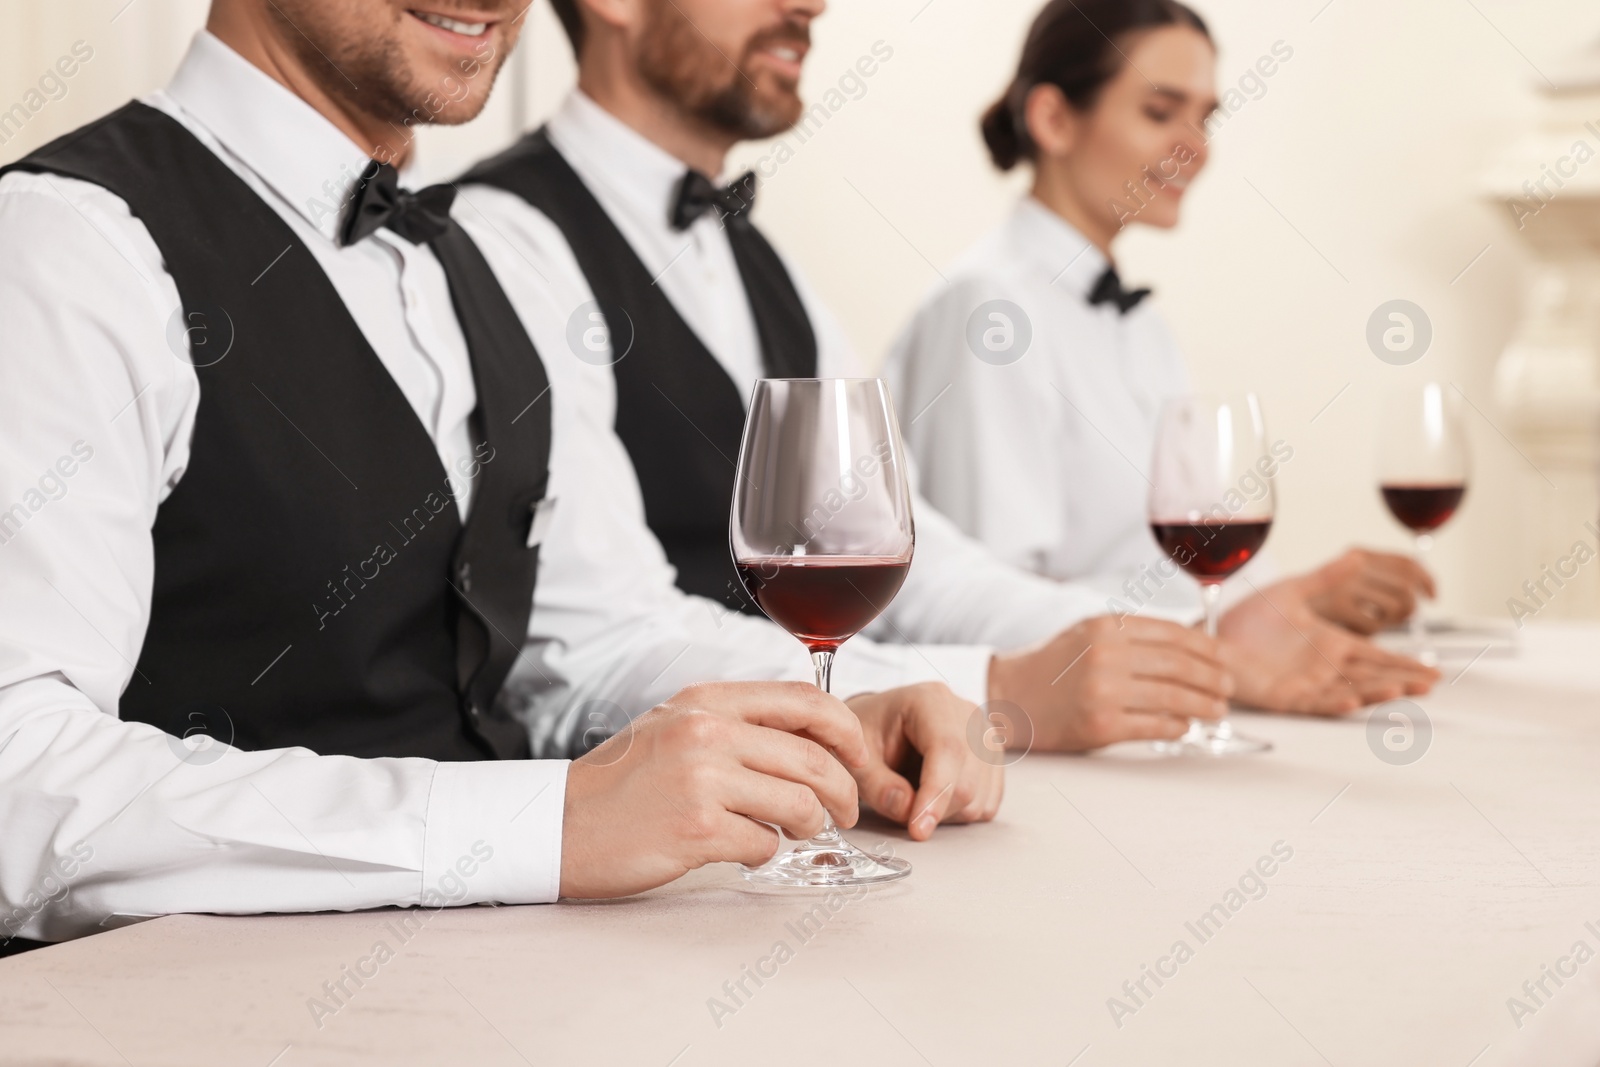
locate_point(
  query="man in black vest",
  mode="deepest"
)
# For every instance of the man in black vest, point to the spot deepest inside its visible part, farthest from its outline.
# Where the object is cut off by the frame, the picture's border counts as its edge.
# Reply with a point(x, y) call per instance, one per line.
point(690, 304)
point(270, 516)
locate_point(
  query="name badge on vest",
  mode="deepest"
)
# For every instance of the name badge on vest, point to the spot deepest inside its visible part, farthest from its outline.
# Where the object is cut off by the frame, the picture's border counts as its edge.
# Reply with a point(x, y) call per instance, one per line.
point(540, 527)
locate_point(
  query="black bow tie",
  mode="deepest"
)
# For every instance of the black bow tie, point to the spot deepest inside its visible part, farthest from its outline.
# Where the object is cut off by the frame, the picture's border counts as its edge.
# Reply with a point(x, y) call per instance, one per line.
point(379, 201)
point(1109, 290)
point(696, 196)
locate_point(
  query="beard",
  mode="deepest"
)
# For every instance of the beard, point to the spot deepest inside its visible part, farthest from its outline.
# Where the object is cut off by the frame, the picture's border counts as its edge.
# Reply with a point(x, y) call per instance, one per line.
point(681, 63)
point(360, 59)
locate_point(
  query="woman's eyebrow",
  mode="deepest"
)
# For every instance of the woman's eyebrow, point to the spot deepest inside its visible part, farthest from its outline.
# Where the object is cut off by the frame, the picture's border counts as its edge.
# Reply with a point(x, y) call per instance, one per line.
point(1180, 96)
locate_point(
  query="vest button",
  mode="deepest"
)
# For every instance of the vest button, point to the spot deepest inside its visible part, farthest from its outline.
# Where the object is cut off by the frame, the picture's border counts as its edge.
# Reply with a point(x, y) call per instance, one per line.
point(464, 576)
point(474, 713)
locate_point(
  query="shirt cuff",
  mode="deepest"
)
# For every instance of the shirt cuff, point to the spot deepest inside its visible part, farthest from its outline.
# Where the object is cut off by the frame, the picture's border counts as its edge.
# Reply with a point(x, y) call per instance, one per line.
point(964, 668)
point(494, 833)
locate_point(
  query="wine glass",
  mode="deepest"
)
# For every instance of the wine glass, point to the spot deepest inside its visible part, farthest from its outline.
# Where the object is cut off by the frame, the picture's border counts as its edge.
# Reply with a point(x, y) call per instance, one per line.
point(1211, 505)
point(822, 536)
point(1423, 466)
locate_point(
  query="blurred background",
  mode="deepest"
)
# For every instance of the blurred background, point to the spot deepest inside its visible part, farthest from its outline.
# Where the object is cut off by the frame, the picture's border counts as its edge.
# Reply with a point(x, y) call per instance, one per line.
point(1441, 152)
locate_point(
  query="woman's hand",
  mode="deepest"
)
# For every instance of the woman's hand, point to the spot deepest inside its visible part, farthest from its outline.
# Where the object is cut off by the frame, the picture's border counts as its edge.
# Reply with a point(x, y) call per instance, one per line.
point(1366, 591)
point(1288, 658)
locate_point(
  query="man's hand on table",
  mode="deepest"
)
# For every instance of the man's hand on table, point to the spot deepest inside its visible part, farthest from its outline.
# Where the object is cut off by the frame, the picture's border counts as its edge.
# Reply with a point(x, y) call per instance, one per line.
point(920, 734)
point(1289, 658)
point(685, 784)
point(1365, 591)
point(1113, 679)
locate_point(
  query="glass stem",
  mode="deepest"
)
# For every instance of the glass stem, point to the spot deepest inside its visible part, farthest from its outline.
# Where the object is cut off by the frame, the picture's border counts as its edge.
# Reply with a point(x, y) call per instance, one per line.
point(822, 663)
point(1199, 731)
point(1419, 625)
point(1211, 596)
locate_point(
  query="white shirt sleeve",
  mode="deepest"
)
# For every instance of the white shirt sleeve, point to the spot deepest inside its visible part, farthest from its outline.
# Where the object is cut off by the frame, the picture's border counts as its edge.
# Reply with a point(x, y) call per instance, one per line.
point(611, 633)
point(105, 818)
point(1005, 448)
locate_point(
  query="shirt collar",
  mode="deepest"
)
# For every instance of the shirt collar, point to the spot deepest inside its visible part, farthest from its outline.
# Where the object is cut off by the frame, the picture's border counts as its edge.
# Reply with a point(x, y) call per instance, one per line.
point(1073, 262)
point(607, 151)
point(299, 154)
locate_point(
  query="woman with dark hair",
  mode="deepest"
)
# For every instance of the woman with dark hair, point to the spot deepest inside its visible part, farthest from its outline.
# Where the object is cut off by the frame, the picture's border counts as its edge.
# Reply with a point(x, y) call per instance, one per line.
point(1035, 377)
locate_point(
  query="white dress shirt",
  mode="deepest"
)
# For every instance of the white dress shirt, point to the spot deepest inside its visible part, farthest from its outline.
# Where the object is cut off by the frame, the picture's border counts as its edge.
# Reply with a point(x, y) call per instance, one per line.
point(105, 818)
point(611, 634)
point(1041, 448)
point(958, 601)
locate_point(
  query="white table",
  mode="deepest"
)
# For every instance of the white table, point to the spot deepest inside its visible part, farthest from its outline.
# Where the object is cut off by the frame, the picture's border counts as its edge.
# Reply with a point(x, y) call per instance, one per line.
point(1417, 900)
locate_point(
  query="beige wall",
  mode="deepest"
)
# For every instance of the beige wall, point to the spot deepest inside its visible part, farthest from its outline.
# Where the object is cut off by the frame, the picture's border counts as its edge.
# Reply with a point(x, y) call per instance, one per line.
point(1353, 180)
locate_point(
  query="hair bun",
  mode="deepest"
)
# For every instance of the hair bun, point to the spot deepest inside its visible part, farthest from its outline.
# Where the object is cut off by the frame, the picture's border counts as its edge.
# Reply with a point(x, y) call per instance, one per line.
point(1000, 133)
point(1073, 45)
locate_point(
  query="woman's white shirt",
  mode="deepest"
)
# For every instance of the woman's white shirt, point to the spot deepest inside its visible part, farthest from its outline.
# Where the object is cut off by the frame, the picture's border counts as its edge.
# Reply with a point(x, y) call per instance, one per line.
point(1032, 413)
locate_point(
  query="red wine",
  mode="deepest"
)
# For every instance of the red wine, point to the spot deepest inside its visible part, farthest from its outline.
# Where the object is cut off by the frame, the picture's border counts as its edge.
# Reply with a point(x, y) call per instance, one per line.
point(1211, 550)
point(1423, 507)
point(825, 600)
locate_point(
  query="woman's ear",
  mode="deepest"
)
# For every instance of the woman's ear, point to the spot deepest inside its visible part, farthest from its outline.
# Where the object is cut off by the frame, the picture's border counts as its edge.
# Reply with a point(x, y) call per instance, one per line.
point(1052, 121)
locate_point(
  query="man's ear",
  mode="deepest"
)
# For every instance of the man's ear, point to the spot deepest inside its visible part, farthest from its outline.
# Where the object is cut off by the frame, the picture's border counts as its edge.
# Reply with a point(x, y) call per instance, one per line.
point(1053, 123)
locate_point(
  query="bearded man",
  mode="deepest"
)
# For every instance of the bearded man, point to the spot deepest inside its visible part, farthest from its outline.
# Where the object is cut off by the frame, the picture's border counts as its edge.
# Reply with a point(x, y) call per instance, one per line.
point(682, 304)
point(296, 448)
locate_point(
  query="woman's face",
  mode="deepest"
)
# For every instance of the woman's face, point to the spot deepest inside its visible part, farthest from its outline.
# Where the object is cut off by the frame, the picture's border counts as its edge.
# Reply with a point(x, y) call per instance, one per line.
point(1131, 156)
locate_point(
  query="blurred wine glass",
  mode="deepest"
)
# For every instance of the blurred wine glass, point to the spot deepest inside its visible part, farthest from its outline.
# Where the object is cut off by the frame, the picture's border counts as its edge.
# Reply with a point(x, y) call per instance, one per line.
point(1212, 502)
point(1423, 468)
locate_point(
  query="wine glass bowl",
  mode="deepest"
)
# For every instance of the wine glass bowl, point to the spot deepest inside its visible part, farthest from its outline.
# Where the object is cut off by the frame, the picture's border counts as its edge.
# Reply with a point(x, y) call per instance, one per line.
point(1211, 550)
point(1423, 470)
point(1212, 502)
point(822, 538)
point(1423, 508)
point(823, 601)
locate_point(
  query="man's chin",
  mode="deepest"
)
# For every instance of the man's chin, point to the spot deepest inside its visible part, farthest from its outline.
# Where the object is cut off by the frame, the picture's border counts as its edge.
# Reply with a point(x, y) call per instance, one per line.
point(425, 101)
point(457, 112)
point(774, 115)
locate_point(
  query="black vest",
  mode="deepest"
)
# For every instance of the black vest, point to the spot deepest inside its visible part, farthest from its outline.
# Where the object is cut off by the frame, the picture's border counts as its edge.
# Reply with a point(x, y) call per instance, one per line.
point(678, 412)
point(314, 584)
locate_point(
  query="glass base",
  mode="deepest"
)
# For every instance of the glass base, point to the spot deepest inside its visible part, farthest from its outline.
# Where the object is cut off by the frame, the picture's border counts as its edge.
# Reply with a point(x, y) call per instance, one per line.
point(826, 860)
point(1211, 739)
